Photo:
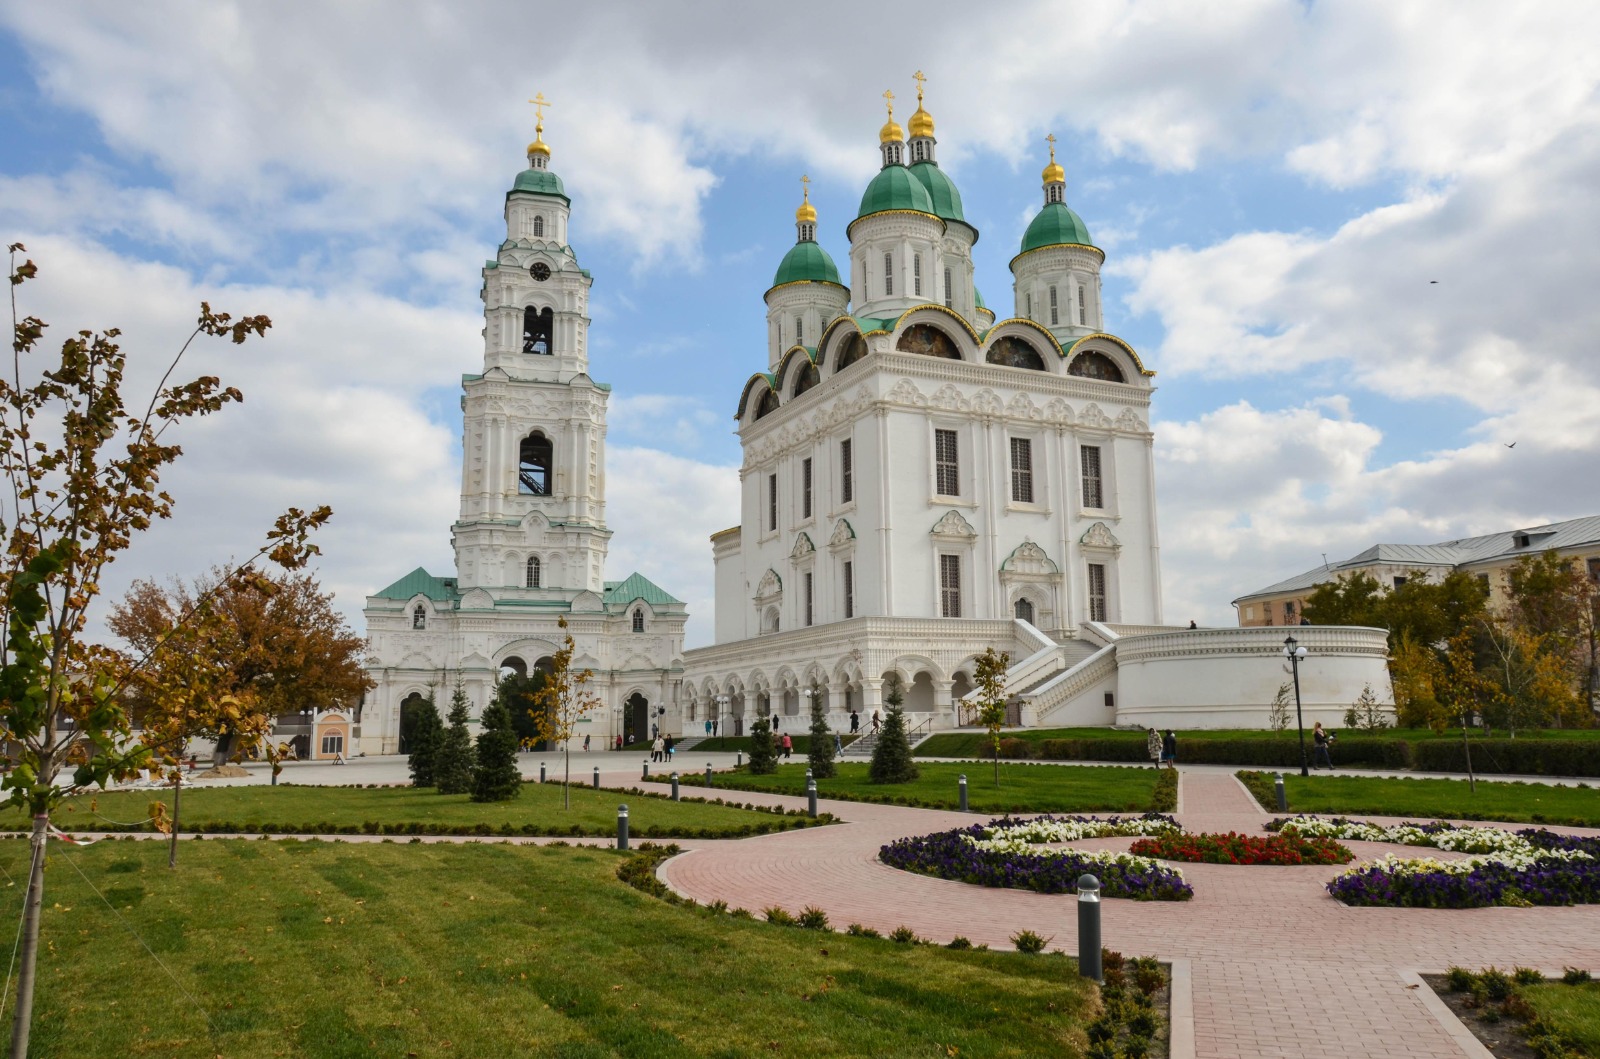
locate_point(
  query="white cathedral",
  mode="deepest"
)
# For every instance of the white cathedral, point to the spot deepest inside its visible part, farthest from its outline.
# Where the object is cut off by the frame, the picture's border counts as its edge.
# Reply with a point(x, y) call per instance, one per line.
point(920, 482)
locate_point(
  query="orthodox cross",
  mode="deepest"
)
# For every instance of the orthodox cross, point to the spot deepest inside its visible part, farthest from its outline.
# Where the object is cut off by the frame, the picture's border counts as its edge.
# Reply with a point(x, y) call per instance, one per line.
point(539, 103)
point(806, 182)
point(889, 95)
point(918, 78)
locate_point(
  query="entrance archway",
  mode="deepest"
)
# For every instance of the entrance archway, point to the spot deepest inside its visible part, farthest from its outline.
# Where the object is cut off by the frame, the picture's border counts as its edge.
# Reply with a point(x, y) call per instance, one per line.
point(410, 706)
point(636, 719)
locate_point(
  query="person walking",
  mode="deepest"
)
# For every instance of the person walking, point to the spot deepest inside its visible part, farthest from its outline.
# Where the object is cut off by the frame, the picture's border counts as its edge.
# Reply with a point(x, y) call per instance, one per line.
point(1319, 741)
point(669, 749)
point(1152, 746)
point(876, 723)
point(1169, 749)
point(708, 728)
point(838, 744)
point(788, 747)
point(619, 740)
point(585, 744)
point(855, 722)
point(658, 749)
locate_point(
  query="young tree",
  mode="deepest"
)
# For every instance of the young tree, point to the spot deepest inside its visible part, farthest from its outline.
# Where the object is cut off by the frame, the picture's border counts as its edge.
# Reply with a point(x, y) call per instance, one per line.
point(1415, 671)
point(1366, 714)
point(1556, 600)
point(763, 748)
point(1278, 711)
point(891, 754)
point(563, 701)
point(495, 775)
point(1533, 685)
point(990, 677)
point(820, 753)
point(453, 760)
point(426, 733)
point(83, 472)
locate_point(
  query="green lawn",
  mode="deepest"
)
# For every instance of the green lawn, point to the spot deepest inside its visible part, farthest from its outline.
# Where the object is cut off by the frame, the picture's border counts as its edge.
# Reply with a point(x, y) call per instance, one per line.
point(971, 743)
point(333, 951)
point(1023, 788)
point(1429, 799)
point(313, 809)
point(1571, 1010)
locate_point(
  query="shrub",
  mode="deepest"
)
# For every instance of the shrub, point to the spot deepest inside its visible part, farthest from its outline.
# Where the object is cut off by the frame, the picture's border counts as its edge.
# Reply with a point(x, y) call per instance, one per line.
point(813, 918)
point(891, 754)
point(763, 751)
point(1029, 942)
point(904, 936)
point(495, 775)
point(741, 913)
point(778, 916)
point(1460, 979)
point(959, 942)
point(1527, 976)
point(856, 930)
point(1496, 983)
point(1165, 797)
point(1574, 975)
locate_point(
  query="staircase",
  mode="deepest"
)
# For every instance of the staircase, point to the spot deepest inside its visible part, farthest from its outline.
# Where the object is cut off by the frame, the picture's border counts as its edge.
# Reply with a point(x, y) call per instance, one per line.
point(861, 748)
point(688, 743)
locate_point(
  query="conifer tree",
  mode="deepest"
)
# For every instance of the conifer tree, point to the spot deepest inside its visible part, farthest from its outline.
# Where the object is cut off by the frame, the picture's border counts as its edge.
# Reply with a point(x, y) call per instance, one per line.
point(891, 754)
point(820, 752)
point(763, 751)
point(495, 775)
point(426, 731)
point(453, 760)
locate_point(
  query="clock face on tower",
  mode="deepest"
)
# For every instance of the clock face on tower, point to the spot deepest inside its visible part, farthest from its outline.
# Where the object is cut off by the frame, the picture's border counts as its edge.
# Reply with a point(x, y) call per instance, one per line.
point(539, 271)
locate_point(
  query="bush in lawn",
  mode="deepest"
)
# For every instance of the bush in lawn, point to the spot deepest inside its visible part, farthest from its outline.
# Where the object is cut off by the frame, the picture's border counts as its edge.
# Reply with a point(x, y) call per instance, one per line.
point(1029, 942)
point(495, 776)
point(424, 740)
point(820, 752)
point(1278, 710)
point(763, 751)
point(1365, 714)
point(891, 754)
point(453, 760)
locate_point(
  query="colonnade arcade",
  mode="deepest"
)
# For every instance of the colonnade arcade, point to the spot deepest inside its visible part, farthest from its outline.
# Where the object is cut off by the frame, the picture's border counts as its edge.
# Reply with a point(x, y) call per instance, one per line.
point(733, 701)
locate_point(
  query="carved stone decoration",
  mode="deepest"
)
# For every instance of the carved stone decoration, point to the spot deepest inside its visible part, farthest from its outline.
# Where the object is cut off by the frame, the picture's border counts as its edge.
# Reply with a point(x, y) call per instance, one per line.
point(905, 392)
point(1130, 422)
point(803, 549)
point(770, 586)
point(477, 599)
point(1030, 560)
point(1060, 412)
point(985, 403)
point(844, 535)
point(1022, 407)
point(1093, 417)
point(1099, 536)
point(953, 527)
point(949, 399)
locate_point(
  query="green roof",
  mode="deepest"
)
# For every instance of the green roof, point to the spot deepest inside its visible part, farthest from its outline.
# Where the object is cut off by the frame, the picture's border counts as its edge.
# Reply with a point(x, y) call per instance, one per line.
point(637, 586)
point(941, 191)
point(977, 299)
point(806, 262)
point(540, 182)
point(1056, 226)
point(868, 324)
point(421, 583)
point(894, 188)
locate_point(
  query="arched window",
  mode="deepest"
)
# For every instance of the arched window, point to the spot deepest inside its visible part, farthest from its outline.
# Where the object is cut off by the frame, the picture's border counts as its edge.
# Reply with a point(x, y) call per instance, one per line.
point(854, 348)
point(799, 330)
point(807, 377)
point(1025, 609)
point(888, 274)
point(535, 464)
point(929, 341)
point(1013, 352)
point(916, 274)
point(769, 621)
point(1055, 317)
point(1082, 313)
point(536, 329)
point(949, 295)
point(1092, 365)
point(535, 572)
point(419, 617)
point(638, 619)
point(538, 227)
point(767, 405)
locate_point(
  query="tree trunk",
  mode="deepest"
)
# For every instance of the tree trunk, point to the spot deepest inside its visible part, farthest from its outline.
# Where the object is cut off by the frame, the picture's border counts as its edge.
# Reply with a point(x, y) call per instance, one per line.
point(172, 847)
point(566, 779)
point(23, 1016)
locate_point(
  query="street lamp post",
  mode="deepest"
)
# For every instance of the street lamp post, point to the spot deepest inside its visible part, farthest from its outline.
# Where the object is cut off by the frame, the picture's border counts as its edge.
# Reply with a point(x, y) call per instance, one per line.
point(722, 707)
point(1294, 653)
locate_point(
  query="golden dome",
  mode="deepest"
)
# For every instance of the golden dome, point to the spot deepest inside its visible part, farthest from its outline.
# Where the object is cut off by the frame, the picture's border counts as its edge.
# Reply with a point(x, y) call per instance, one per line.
point(1053, 173)
point(921, 122)
point(891, 132)
point(539, 147)
point(807, 213)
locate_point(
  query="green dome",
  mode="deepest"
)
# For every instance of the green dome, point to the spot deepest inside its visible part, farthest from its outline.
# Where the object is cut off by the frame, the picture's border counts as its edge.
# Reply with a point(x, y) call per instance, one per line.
point(941, 190)
point(894, 188)
point(539, 182)
point(977, 299)
point(806, 262)
point(1055, 225)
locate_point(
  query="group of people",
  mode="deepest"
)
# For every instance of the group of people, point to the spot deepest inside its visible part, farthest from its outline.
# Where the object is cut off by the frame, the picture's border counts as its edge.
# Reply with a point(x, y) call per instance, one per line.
point(662, 748)
point(1163, 749)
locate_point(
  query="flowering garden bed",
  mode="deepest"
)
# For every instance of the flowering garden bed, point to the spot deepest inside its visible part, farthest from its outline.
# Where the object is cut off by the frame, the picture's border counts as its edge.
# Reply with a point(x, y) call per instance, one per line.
point(1525, 868)
point(1289, 848)
point(1003, 853)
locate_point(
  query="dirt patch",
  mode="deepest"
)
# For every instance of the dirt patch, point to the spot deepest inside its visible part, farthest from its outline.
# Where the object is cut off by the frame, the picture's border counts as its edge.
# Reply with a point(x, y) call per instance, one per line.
point(224, 772)
point(1503, 1038)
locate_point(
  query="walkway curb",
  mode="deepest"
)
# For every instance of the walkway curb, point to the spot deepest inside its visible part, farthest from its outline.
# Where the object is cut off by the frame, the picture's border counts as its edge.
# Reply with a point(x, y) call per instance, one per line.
point(1180, 1013)
point(1464, 1038)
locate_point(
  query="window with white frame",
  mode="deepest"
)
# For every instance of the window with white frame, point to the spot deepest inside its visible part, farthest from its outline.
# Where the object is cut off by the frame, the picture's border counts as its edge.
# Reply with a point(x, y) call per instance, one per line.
point(1082, 312)
point(799, 330)
point(1054, 316)
point(1029, 311)
point(772, 503)
point(949, 295)
point(950, 586)
point(1093, 487)
point(419, 617)
point(1097, 592)
point(534, 572)
point(849, 589)
point(847, 477)
point(916, 274)
point(1022, 470)
point(638, 619)
point(946, 464)
point(888, 274)
point(332, 744)
point(805, 488)
point(538, 227)
point(809, 586)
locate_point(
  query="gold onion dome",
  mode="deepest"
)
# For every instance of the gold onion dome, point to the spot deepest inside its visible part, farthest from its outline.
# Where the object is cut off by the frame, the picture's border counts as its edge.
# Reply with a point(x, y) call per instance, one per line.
point(807, 213)
point(539, 147)
point(921, 121)
point(1053, 173)
point(891, 132)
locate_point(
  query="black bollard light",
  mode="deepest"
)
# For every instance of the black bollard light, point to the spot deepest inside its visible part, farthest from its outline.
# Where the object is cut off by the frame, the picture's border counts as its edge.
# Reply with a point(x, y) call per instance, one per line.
point(622, 827)
point(646, 773)
point(811, 795)
point(1283, 797)
point(1089, 928)
point(708, 774)
point(597, 777)
point(963, 785)
point(541, 772)
point(738, 759)
point(674, 786)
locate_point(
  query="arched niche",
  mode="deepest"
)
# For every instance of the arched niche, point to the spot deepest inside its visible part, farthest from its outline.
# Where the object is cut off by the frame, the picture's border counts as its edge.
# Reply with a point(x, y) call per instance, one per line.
point(805, 377)
point(1013, 352)
point(767, 405)
point(852, 349)
point(535, 461)
point(928, 341)
point(1091, 364)
point(537, 327)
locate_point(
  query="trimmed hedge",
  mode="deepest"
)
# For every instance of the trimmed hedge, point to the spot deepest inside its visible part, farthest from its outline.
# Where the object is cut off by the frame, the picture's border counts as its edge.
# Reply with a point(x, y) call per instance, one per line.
point(1531, 757)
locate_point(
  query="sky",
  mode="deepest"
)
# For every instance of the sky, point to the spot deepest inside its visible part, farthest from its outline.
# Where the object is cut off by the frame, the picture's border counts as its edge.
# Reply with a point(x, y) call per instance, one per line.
point(1357, 241)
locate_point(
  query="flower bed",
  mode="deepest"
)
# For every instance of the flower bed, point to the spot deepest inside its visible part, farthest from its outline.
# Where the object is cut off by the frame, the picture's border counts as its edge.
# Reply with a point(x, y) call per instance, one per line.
point(1001, 854)
point(1528, 867)
point(1289, 848)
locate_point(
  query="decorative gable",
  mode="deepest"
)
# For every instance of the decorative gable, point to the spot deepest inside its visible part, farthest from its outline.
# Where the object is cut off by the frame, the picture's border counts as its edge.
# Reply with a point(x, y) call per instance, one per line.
point(953, 527)
point(770, 585)
point(803, 548)
point(1099, 536)
point(1029, 560)
point(843, 536)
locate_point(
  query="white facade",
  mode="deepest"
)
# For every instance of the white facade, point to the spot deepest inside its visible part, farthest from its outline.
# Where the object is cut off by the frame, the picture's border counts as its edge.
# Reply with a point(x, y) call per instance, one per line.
point(530, 539)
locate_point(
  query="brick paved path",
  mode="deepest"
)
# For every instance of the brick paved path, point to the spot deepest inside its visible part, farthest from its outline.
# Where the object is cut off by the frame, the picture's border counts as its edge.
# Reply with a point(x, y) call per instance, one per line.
point(1280, 969)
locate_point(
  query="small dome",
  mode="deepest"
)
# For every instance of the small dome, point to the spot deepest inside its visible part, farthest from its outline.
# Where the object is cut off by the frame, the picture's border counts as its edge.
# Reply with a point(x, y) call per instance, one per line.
point(1053, 173)
point(977, 300)
point(539, 147)
point(1056, 226)
point(894, 188)
point(941, 191)
point(539, 182)
point(921, 122)
point(806, 263)
point(891, 132)
point(806, 214)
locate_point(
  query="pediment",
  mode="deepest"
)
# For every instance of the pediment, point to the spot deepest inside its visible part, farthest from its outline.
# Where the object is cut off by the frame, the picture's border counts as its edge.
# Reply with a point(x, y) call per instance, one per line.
point(1029, 559)
point(1099, 535)
point(588, 602)
point(803, 548)
point(770, 585)
point(843, 534)
point(954, 526)
point(477, 599)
